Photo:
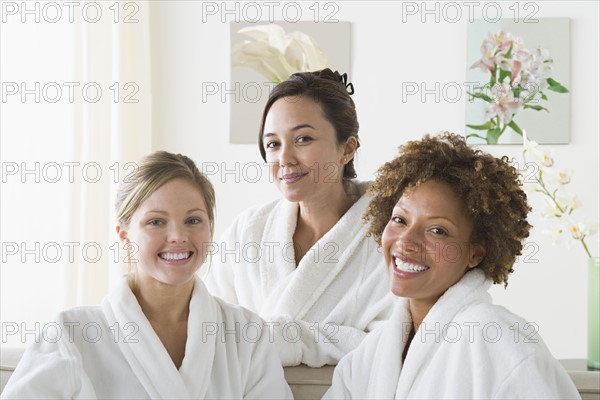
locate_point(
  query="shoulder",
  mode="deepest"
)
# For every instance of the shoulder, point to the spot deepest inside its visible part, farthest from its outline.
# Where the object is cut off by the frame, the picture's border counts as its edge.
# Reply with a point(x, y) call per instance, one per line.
point(62, 334)
point(244, 330)
point(254, 216)
point(506, 336)
point(358, 190)
point(489, 314)
point(363, 356)
point(78, 326)
point(81, 313)
point(235, 313)
point(353, 370)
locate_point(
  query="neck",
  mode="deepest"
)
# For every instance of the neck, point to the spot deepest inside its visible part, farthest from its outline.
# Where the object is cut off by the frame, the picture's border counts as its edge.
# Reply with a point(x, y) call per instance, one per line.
point(418, 311)
point(162, 303)
point(319, 215)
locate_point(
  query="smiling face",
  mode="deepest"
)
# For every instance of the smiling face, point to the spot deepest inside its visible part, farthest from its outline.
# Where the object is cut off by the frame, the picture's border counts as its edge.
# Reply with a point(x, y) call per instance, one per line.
point(168, 233)
point(426, 243)
point(302, 150)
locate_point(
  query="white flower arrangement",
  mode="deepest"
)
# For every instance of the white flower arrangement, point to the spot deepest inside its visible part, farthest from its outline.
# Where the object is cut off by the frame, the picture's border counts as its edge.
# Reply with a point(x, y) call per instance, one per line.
point(562, 208)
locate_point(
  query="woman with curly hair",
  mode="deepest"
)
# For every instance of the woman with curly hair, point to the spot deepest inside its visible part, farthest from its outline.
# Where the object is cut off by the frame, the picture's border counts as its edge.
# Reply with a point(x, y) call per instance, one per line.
point(450, 220)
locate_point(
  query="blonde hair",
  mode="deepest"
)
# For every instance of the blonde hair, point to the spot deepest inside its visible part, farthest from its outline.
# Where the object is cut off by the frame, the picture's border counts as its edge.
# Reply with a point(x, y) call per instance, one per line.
point(152, 172)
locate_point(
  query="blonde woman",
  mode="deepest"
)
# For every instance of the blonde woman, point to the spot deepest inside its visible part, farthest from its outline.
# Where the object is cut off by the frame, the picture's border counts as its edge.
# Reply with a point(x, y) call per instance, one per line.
point(159, 333)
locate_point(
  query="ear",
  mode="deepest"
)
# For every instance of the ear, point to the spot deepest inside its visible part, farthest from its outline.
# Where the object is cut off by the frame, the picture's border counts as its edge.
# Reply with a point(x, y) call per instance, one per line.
point(350, 148)
point(476, 254)
point(122, 233)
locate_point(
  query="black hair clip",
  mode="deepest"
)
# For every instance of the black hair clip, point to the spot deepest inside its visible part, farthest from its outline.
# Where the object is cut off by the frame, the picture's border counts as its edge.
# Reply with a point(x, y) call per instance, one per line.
point(349, 86)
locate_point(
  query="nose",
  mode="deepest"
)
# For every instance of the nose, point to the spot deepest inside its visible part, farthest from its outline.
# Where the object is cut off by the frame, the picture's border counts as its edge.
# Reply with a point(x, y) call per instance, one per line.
point(409, 240)
point(177, 233)
point(287, 155)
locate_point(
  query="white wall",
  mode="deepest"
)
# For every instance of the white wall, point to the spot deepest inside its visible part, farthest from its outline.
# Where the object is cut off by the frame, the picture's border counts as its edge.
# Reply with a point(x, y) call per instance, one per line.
point(34, 135)
point(385, 53)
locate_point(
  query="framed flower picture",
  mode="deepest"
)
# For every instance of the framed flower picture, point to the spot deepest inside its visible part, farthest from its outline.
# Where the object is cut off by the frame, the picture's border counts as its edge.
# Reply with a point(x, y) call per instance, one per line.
point(518, 78)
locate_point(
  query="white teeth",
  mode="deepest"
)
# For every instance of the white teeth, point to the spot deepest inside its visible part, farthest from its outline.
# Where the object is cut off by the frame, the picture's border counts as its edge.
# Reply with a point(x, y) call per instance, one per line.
point(402, 266)
point(175, 256)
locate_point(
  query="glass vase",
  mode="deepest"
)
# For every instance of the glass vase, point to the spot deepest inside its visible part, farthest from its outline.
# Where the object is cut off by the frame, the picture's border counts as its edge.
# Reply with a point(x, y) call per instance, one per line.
point(593, 345)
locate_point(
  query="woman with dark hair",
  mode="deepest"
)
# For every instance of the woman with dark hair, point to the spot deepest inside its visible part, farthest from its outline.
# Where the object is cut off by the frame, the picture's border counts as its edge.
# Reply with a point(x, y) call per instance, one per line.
point(314, 274)
point(451, 221)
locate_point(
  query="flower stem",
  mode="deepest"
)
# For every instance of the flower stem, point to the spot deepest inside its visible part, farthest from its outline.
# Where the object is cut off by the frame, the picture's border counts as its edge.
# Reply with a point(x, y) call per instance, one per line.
point(540, 180)
point(585, 247)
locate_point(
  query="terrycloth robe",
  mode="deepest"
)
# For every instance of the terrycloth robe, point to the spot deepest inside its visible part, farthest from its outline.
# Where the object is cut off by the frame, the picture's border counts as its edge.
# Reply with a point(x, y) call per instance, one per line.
point(319, 310)
point(111, 351)
point(465, 348)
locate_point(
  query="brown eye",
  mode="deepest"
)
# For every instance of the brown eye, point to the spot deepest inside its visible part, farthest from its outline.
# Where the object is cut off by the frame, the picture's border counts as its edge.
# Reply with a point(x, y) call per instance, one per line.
point(398, 220)
point(304, 139)
point(439, 231)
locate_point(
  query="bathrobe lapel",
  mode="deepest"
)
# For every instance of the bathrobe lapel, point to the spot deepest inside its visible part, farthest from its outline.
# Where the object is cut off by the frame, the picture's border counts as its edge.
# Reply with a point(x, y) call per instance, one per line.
point(293, 291)
point(392, 379)
point(197, 366)
point(146, 354)
point(473, 286)
point(386, 371)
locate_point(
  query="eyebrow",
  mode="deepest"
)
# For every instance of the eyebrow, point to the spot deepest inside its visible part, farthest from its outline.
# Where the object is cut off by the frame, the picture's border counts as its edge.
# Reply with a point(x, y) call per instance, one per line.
point(429, 216)
point(295, 128)
point(193, 210)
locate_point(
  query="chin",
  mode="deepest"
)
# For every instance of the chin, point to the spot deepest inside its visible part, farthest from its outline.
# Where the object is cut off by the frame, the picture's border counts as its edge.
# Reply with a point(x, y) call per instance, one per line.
point(399, 292)
point(177, 281)
point(293, 196)
point(176, 278)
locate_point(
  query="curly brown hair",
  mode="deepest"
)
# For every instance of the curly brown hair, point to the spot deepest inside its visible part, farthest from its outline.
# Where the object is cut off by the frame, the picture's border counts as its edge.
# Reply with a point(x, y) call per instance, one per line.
point(488, 186)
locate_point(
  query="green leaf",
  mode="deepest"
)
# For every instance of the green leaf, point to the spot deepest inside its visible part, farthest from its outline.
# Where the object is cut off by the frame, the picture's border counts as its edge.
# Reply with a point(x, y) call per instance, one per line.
point(536, 108)
point(509, 53)
point(515, 127)
point(484, 127)
point(481, 96)
point(556, 87)
point(543, 96)
point(517, 91)
point(476, 135)
point(529, 98)
point(504, 74)
point(493, 135)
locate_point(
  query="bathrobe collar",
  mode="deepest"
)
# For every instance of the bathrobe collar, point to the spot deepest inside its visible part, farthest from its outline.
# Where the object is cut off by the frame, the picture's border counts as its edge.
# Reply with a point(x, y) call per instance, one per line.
point(389, 378)
point(146, 354)
point(293, 291)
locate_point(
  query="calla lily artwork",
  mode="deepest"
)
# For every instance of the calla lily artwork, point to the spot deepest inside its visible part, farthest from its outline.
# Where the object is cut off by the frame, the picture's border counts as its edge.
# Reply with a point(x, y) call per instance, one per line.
point(276, 54)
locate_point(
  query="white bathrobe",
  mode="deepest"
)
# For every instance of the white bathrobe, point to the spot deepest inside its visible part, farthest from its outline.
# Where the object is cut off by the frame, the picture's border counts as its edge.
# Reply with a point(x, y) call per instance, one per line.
point(321, 309)
point(465, 348)
point(111, 351)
